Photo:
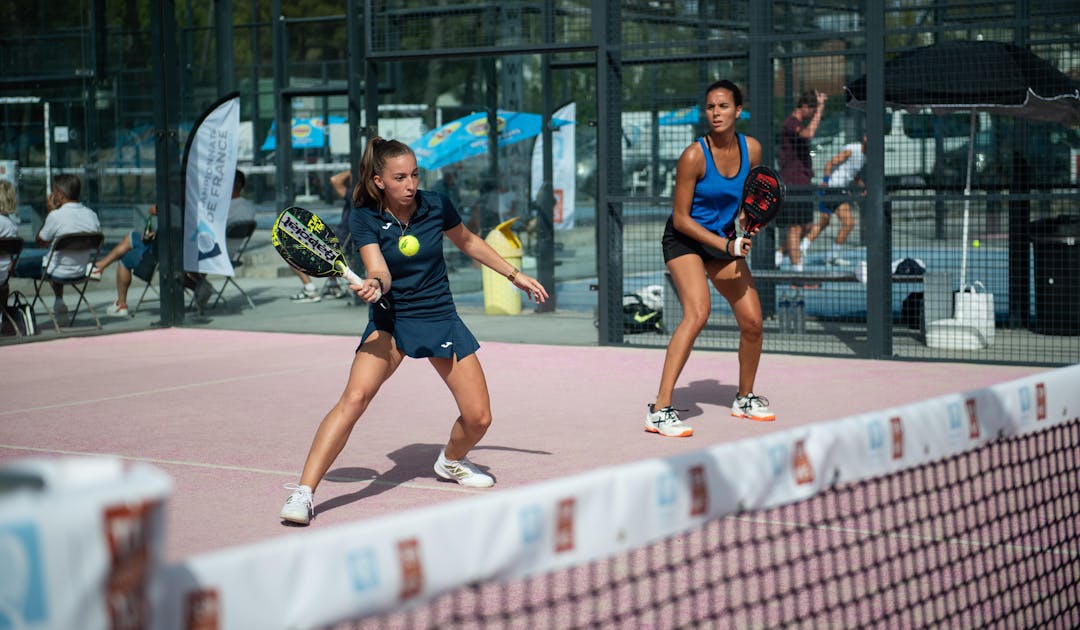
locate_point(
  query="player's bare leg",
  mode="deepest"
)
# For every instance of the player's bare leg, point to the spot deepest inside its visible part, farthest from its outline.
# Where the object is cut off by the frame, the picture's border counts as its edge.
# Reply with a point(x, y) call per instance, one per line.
point(373, 364)
point(465, 378)
point(734, 282)
point(688, 276)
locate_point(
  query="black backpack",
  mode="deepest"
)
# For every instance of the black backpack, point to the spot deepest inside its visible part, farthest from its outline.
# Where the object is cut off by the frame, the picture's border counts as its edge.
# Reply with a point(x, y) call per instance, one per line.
point(639, 317)
point(18, 317)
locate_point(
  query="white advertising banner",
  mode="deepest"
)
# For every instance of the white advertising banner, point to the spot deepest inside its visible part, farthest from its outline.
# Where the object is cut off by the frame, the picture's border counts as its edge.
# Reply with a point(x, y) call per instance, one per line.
point(406, 559)
point(564, 167)
point(81, 543)
point(209, 168)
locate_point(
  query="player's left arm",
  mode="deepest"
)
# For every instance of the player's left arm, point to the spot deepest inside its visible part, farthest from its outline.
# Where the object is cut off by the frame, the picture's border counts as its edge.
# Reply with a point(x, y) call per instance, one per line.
point(476, 248)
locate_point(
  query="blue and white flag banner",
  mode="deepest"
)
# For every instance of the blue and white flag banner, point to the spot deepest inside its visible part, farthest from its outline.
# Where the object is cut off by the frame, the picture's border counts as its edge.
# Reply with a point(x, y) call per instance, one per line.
point(564, 167)
point(208, 179)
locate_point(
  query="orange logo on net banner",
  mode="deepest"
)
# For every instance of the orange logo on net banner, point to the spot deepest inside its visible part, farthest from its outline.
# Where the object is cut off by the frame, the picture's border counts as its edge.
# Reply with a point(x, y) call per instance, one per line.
point(897, 437)
point(1040, 401)
point(973, 419)
point(412, 568)
point(800, 464)
point(128, 532)
point(699, 491)
point(203, 610)
point(564, 526)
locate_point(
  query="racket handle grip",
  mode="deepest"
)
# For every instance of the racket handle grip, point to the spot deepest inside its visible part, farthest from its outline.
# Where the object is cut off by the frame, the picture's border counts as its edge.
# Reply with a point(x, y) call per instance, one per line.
point(351, 277)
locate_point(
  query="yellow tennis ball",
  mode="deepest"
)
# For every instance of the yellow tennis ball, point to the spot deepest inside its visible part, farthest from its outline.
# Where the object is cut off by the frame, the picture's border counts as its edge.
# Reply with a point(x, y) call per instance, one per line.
point(975, 243)
point(408, 245)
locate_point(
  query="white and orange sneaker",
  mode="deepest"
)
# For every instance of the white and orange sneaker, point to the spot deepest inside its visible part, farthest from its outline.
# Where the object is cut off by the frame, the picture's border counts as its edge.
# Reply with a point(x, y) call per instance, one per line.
point(752, 407)
point(666, 422)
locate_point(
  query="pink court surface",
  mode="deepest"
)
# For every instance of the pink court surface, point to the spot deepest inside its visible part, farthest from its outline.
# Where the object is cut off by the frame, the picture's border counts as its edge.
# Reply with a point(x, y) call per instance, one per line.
point(230, 416)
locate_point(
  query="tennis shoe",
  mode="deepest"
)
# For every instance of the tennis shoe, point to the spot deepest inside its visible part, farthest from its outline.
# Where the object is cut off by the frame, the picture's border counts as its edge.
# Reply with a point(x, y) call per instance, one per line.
point(462, 471)
point(752, 407)
point(299, 507)
point(93, 272)
point(117, 310)
point(666, 422)
point(837, 261)
point(304, 297)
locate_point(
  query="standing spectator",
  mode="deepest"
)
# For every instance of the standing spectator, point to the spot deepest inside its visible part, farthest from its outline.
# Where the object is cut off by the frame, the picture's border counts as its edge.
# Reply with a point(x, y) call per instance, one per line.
point(797, 169)
point(65, 216)
point(841, 171)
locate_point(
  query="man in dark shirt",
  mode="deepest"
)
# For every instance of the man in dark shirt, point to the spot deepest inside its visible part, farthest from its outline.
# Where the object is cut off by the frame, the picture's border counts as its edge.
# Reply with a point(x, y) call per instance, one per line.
point(797, 169)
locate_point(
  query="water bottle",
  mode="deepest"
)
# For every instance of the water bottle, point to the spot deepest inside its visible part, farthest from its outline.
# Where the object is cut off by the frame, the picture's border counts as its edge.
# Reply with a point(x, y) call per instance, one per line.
point(799, 315)
point(783, 312)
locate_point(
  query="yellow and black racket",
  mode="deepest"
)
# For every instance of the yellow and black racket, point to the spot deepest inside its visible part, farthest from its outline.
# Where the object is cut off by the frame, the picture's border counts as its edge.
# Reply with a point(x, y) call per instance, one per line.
point(307, 243)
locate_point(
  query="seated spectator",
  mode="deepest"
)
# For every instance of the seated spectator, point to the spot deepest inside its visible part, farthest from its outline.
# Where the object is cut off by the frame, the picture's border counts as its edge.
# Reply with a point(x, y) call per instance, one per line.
point(137, 253)
point(9, 228)
point(65, 216)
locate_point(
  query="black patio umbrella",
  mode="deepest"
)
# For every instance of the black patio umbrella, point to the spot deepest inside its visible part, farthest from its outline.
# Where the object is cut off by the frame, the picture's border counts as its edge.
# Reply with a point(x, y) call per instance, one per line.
point(976, 76)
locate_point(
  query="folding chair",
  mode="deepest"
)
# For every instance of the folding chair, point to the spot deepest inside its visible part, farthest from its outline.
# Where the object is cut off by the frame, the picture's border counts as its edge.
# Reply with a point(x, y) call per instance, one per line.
point(11, 247)
point(241, 230)
point(70, 244)
point(148, 286)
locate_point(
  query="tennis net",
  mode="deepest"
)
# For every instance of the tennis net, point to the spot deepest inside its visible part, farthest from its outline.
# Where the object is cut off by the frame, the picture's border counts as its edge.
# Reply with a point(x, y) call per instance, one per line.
point(985, 538)
point(960, 511)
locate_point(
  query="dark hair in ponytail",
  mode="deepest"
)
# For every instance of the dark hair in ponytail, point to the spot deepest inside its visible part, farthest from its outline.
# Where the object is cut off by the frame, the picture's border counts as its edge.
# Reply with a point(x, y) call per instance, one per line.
point(377, 152)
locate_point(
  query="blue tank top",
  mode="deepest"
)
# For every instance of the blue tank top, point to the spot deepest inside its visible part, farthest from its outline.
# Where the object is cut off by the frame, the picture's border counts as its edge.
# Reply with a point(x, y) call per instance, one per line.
point(716, 198)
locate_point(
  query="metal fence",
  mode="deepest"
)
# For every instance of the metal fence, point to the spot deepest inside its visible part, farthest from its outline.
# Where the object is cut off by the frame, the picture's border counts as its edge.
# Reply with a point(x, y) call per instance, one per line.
point(635, 72)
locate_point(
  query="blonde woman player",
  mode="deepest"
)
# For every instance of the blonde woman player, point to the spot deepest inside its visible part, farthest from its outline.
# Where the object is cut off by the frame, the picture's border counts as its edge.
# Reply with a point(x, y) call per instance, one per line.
point(399, 232)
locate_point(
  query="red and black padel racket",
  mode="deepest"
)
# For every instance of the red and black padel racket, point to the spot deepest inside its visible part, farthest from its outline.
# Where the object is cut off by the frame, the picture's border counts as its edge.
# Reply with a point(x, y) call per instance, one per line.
point(762, 199)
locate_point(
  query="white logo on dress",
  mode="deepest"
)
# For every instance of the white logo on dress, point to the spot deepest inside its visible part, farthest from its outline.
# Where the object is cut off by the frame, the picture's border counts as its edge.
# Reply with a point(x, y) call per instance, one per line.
point(387, 226)
point(447, 344)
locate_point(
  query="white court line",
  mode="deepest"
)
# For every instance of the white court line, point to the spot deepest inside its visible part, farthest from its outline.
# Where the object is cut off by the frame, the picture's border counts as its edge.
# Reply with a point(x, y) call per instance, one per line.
point(151, 392)
point(262, 471)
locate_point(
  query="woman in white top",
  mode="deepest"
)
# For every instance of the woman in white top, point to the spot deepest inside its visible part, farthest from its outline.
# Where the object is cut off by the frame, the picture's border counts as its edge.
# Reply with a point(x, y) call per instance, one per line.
point(841, 171)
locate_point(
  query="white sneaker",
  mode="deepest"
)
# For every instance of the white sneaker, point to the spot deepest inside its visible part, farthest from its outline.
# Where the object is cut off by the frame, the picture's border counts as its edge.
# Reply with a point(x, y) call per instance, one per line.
point(92, 271)
point(804, 245)
point(778, 257)
point(752, 407)
point(299, 507)
point(462, 471)
point(666, 422)
point(837, 261)
point(304, 296)
point(117, 310)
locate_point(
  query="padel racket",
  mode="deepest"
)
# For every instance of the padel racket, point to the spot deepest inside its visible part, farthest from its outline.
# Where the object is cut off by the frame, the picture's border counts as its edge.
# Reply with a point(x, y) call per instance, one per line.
point(307, 243)
point(762, 198)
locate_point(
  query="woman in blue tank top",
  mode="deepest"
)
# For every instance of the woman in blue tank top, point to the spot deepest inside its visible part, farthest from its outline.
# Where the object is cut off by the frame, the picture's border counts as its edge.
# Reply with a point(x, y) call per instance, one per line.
point(709, 179)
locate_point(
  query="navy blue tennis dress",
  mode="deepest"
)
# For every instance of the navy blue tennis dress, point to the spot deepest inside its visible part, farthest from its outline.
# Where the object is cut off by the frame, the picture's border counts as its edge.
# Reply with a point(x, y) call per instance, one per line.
point(422, 316)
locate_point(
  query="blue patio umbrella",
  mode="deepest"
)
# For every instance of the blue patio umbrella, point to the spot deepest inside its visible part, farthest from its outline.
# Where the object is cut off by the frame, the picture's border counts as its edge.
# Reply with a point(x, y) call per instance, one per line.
point(307, 133)
point(468, 136)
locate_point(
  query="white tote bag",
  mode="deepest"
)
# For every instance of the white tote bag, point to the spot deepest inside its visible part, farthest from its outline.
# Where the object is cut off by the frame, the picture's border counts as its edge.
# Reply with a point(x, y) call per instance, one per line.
point(975, 308)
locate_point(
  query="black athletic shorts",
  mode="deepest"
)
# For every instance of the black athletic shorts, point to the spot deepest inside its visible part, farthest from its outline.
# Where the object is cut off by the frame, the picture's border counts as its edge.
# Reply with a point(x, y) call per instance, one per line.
point(676, 244)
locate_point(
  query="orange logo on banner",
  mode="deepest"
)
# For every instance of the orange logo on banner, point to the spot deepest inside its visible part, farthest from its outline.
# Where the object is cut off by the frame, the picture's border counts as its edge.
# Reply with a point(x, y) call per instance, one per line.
point(203, 610)
point(973, 420)
point(897, 437)
point(128, 529)
point(564, 526)
point(412, 569)
point(1040, 401)
point(699, 491)
point(800, 465)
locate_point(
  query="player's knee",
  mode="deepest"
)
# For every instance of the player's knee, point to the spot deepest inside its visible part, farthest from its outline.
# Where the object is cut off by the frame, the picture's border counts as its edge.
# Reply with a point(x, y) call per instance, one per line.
point(355, 400)
point(751, 329)
point(477, 421)
point(695, 318)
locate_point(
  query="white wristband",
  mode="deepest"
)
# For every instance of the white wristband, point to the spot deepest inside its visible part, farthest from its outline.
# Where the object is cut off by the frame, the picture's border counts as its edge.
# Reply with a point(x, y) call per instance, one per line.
point(738, 247)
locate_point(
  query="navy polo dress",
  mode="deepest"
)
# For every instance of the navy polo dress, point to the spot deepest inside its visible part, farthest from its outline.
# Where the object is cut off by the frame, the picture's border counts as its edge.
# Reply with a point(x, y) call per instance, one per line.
point(422, 316)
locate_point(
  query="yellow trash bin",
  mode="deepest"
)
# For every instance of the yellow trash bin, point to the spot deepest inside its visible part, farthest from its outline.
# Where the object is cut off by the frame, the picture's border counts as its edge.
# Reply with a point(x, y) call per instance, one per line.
point(501, 297)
